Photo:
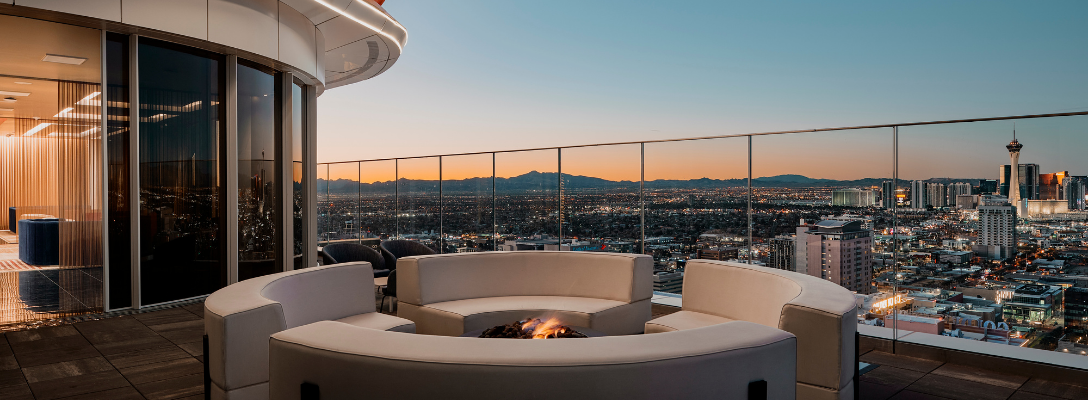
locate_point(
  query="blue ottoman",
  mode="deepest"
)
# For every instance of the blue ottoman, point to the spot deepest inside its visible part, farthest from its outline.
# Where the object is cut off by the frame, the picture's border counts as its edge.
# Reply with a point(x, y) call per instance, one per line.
point(12, 223)
point(39, 241)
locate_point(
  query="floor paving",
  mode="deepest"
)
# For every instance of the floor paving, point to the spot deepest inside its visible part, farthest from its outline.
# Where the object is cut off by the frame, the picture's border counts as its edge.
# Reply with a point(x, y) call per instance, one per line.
point(159, 355)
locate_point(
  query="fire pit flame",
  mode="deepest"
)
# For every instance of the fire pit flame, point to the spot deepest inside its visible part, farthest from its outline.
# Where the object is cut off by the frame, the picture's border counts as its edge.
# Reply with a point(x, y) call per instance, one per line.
point(534, 328)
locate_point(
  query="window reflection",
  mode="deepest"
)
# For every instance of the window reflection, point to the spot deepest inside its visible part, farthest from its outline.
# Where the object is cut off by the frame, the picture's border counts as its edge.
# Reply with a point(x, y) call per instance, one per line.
point(257, 205)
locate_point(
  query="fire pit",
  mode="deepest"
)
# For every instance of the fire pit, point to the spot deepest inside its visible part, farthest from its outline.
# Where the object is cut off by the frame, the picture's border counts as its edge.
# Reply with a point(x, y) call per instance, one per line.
point(534, 328)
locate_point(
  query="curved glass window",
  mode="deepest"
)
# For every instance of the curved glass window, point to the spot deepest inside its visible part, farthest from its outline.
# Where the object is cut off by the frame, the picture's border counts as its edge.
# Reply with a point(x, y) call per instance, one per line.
point(257, 205)
point(298, 192)
point(181, 204)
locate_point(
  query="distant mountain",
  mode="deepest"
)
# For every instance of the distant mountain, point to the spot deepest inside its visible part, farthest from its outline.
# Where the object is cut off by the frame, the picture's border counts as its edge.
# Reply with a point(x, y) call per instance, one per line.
point(547, 181)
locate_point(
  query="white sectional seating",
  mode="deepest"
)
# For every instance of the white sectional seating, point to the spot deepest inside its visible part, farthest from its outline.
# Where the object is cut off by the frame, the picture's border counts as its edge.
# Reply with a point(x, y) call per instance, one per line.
point(821, 314)
point(451, 294)
point(240, 318)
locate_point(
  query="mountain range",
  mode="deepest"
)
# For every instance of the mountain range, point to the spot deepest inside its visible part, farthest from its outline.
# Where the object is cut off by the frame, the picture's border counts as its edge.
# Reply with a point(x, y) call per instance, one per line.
point(547, 180)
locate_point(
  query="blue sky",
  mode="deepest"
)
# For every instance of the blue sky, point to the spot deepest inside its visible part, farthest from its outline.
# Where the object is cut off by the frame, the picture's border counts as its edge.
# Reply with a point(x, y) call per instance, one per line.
point(482, 75)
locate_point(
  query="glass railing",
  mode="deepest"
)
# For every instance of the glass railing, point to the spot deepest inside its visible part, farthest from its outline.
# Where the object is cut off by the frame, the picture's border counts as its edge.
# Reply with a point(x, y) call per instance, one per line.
point(914, 218)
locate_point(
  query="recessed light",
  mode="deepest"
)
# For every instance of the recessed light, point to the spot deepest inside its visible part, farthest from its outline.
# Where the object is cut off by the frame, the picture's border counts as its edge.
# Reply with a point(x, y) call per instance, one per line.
point(20, 94)
point(22, 83)
point(9, 99)
point(54, 58)
point(7, 109)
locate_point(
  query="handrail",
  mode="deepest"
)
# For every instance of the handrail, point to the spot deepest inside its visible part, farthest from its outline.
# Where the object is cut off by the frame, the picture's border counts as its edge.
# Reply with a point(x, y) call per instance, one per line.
point(847, 128)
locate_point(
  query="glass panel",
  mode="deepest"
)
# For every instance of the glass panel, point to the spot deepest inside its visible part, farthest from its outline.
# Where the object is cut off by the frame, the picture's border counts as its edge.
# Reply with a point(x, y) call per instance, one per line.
point(258, 205)
point(298, 128)
point(818, 192)
point(322, 204)
point(468, 200)
point(696, 204)
point(419, 202)
point(378, 201)
point(601, 187)
point(988, 257)
point(181, 121)
point(117, 143)
point(527, 200)
point(343, 202)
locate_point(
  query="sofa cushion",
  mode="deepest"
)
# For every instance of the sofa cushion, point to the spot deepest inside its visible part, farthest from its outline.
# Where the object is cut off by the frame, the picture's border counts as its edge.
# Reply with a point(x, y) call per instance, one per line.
point(380, 322)
point(308, 296)
point(683, 320)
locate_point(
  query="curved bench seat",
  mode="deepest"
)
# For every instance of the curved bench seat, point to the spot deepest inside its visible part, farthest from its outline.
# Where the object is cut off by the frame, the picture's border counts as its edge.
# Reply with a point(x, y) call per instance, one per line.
point(240, 318)
point(820, 313)
point(347, 362)
point(451, 294)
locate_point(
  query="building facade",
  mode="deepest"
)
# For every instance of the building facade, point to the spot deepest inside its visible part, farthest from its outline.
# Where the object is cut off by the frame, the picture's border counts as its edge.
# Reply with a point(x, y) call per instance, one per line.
point(853, 197)
point(919, 197)
point(841, 252)
point(937, 194)
point(184, 132)
point(1027, 175)
point(781, 253)
point(997, 228)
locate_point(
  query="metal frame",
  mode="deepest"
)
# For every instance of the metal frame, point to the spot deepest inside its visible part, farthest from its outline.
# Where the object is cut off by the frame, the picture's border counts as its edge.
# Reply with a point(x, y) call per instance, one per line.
point(231, 189)
point(105, 176)
point(309, 176)
point(134, 166)
point(286, 82)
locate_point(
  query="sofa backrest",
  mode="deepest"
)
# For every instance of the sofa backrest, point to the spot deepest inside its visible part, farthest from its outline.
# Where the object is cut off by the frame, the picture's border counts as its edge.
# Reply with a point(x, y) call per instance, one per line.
point(820, 313)
point(437, 278)
point(746, 294)
point(320, 294)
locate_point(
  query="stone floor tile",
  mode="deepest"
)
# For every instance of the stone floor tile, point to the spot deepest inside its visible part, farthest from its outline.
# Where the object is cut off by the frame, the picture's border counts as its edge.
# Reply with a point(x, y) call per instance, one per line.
point(173, 388)
point(1056, 389)
point(875, 391)
point(122, 393)
point(108, 325)
point(195, 349)
point(66, 369)
point(11, 377)
point(8, 363)
point(163, 370)
point(893, 377)
point(1022, 395)
point(939, 385)
point(147, 356)
point(31, 335)
point(102, 337)
point(68, 350)
point(128, 346)
point(166, 316)
point(911, 395)
point(5, 350)
point(981, 376)
point(904, 362)
point(197, 309)
point(80, 384)
point(181, 332)
point(18, 392)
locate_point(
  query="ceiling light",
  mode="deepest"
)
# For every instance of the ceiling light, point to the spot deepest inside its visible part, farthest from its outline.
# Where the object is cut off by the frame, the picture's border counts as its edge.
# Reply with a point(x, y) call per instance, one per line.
point(20, 94)
point(35, 129)
point(54, 58)
point(360, 22)
point(21, 83)
point(7, 109)
point(9, 99)
point(64, 111)
point(86, 101)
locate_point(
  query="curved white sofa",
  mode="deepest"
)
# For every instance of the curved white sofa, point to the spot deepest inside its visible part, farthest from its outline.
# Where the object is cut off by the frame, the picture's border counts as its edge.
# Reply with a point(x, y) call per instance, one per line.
point(450, 294)
point(348, 362)
point(821, 314)
point(240, 318)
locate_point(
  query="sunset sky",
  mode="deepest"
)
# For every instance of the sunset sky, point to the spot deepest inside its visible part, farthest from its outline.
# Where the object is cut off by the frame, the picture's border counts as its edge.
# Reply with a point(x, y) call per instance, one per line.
point(487, 75)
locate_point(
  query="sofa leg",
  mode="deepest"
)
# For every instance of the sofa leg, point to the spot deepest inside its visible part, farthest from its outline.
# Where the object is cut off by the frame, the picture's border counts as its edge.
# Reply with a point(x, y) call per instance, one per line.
point(207, 372)
point(757, 390)
point(310, 391)
point(381, 308)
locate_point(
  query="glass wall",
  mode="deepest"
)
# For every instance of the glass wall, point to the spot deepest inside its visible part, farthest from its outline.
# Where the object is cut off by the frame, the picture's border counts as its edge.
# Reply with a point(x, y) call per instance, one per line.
point(527, 200)
point(467, 201)
point(323, 214)
point(343, 202)
point(377, 215)
point(298, 191)
point(601, 198)
point(119, 200)
point(419, 201)
point(258, 203)
point(181, 201)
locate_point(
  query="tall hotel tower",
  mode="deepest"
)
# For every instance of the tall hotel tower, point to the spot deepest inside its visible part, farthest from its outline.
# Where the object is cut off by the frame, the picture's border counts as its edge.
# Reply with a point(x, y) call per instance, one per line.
point(1014, 171)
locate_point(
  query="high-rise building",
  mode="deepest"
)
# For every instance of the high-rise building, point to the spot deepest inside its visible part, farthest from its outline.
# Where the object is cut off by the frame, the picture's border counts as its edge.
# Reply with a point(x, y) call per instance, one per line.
point(1027, 174)
point(987, 186)
point(1051, 186)
point(781, 254)
point(1015, 175)
point(997, 228)
point(800, 243)
point(957, 189)
point(887, 194)
point(853, 197)
point(1076, 190)
point(967, 201)
point(937, 194)
point(918, 196)
point(669, 281)
point(841, 252)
